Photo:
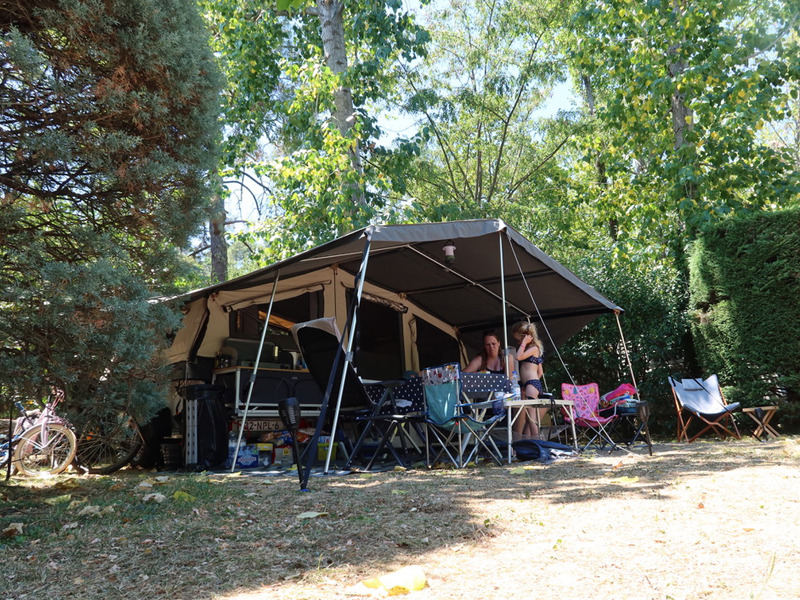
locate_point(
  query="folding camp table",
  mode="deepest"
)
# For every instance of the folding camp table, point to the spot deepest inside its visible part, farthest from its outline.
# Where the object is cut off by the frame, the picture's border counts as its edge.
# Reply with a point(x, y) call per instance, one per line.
point(632, 423)
point(523, 403)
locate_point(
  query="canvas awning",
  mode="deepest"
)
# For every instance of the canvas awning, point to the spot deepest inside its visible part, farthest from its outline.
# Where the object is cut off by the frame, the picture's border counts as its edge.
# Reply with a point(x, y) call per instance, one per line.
point(406, 264)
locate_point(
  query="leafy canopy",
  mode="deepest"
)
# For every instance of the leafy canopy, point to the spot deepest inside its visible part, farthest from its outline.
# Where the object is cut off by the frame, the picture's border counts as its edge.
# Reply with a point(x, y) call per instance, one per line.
point(683, 92)
point(282, 142)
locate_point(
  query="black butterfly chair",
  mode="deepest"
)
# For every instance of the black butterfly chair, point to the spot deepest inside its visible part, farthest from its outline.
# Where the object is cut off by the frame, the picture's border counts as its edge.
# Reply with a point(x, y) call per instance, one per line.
point(319, 341)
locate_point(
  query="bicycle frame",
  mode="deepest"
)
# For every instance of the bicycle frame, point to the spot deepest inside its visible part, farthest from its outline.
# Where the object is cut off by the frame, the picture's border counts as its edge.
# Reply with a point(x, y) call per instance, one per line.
point(26, 423)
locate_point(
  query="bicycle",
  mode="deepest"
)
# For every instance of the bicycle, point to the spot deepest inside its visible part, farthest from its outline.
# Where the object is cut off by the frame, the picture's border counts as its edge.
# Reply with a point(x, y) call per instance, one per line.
point(42, 443)
point(109, 439)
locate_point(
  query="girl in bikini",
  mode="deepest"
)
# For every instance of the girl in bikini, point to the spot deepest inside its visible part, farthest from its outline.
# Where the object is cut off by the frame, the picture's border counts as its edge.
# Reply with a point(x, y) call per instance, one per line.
point(530, 356)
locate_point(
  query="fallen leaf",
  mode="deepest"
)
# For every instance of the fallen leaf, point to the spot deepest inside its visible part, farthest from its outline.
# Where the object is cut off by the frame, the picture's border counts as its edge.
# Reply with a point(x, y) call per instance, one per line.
point(311, 514)
point(76, 503)
point(400, 469)
point(397, 492)
point(157, 498)
point(69, 526)
point(144, 485)
point(517, 471)
point(89, 511)
point(67, 484)
point(181, 496)
point(58, 499)
point(366, 476)
point(624, 480)
point(701, 505)
point(401, 582)
point(13, 530)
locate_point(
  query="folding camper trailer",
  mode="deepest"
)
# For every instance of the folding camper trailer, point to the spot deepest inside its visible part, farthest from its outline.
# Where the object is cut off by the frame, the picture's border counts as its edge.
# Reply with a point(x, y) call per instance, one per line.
point(414, 295)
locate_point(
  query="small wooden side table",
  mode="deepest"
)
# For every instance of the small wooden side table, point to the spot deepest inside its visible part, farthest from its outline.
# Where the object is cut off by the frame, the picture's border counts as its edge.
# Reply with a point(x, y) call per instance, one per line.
point(763, 425)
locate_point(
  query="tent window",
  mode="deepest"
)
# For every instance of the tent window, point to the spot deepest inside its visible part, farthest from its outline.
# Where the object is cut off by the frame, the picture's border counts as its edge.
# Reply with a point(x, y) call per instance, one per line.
point(248, 322)
point(434, 346)
point(245, 323)
point(379, 341)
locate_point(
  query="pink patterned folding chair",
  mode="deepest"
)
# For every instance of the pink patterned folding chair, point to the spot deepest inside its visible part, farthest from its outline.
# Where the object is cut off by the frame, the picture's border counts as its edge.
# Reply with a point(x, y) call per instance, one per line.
point(589, 423)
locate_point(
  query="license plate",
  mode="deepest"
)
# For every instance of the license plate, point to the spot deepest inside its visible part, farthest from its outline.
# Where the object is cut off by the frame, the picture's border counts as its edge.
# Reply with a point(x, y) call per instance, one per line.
point(263, 425)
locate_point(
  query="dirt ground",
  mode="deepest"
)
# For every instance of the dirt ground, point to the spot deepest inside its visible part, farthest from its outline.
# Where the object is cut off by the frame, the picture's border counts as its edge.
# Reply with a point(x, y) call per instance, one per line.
point(708, 520)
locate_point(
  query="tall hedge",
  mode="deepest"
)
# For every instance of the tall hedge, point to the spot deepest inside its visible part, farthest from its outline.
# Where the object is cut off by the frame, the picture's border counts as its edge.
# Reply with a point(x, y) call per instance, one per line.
point(745, 308)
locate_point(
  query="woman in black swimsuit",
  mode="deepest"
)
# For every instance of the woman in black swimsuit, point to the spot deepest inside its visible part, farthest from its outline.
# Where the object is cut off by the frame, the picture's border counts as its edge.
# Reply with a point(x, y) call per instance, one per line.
point(530, 357)
point(489, 359)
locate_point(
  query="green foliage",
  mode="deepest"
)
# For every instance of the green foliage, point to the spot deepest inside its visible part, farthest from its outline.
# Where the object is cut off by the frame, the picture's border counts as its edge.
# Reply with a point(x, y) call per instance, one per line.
point(653, 325)
point(314, 180)
point(486, 152)
point(88, 328)
point(683, 91)
point(110, 131)
point(746, 318)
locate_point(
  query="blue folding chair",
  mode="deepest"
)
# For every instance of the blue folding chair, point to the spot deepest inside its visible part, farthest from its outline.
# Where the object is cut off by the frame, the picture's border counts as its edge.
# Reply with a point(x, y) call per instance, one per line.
point(459, 427)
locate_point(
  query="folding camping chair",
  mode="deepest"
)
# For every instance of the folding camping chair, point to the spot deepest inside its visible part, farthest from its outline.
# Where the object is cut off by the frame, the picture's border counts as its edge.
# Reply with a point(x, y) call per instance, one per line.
point(703, 400)
point(319, 341)
point(589, 423)
point(454, 422)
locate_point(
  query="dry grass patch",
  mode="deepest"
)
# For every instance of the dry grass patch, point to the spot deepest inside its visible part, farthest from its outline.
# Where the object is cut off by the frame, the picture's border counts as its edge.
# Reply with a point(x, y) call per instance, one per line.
point(706, 520)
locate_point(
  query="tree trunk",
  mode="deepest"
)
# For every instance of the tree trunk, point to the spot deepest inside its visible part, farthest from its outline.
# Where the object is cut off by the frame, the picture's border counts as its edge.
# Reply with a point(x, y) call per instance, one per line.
point(599, 164)
point(219, 247)
point(332, 22)
point(682, 115)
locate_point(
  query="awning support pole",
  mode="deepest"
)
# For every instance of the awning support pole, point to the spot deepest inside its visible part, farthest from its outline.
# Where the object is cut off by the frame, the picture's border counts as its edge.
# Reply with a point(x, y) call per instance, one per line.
point(351, 331)
point(255, 372)
point(627, 356)
point(503, 300)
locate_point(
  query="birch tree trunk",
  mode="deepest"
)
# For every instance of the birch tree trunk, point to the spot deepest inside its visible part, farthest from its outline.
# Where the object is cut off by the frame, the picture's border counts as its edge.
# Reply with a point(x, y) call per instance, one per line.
point(331, 19)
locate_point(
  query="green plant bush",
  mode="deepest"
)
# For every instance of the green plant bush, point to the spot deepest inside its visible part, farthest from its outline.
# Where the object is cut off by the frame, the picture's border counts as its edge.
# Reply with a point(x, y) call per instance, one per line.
point(654, 324)
point(744, 308)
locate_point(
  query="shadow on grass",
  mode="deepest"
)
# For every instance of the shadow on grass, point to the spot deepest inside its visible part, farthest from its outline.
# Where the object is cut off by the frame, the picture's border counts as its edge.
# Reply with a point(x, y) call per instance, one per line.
point(235, 534)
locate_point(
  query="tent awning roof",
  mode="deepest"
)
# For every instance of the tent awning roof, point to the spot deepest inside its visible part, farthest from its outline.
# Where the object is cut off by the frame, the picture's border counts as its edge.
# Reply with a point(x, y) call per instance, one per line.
point(408, 259)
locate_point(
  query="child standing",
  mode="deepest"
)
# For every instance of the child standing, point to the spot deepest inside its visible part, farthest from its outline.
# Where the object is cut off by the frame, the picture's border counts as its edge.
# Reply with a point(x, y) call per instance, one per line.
point(530, 357)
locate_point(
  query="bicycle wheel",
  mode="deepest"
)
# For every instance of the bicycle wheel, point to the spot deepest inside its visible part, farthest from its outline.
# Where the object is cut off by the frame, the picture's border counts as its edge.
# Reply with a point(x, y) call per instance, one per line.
point(108, 441)
point(3, 455)
point(45, 449)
